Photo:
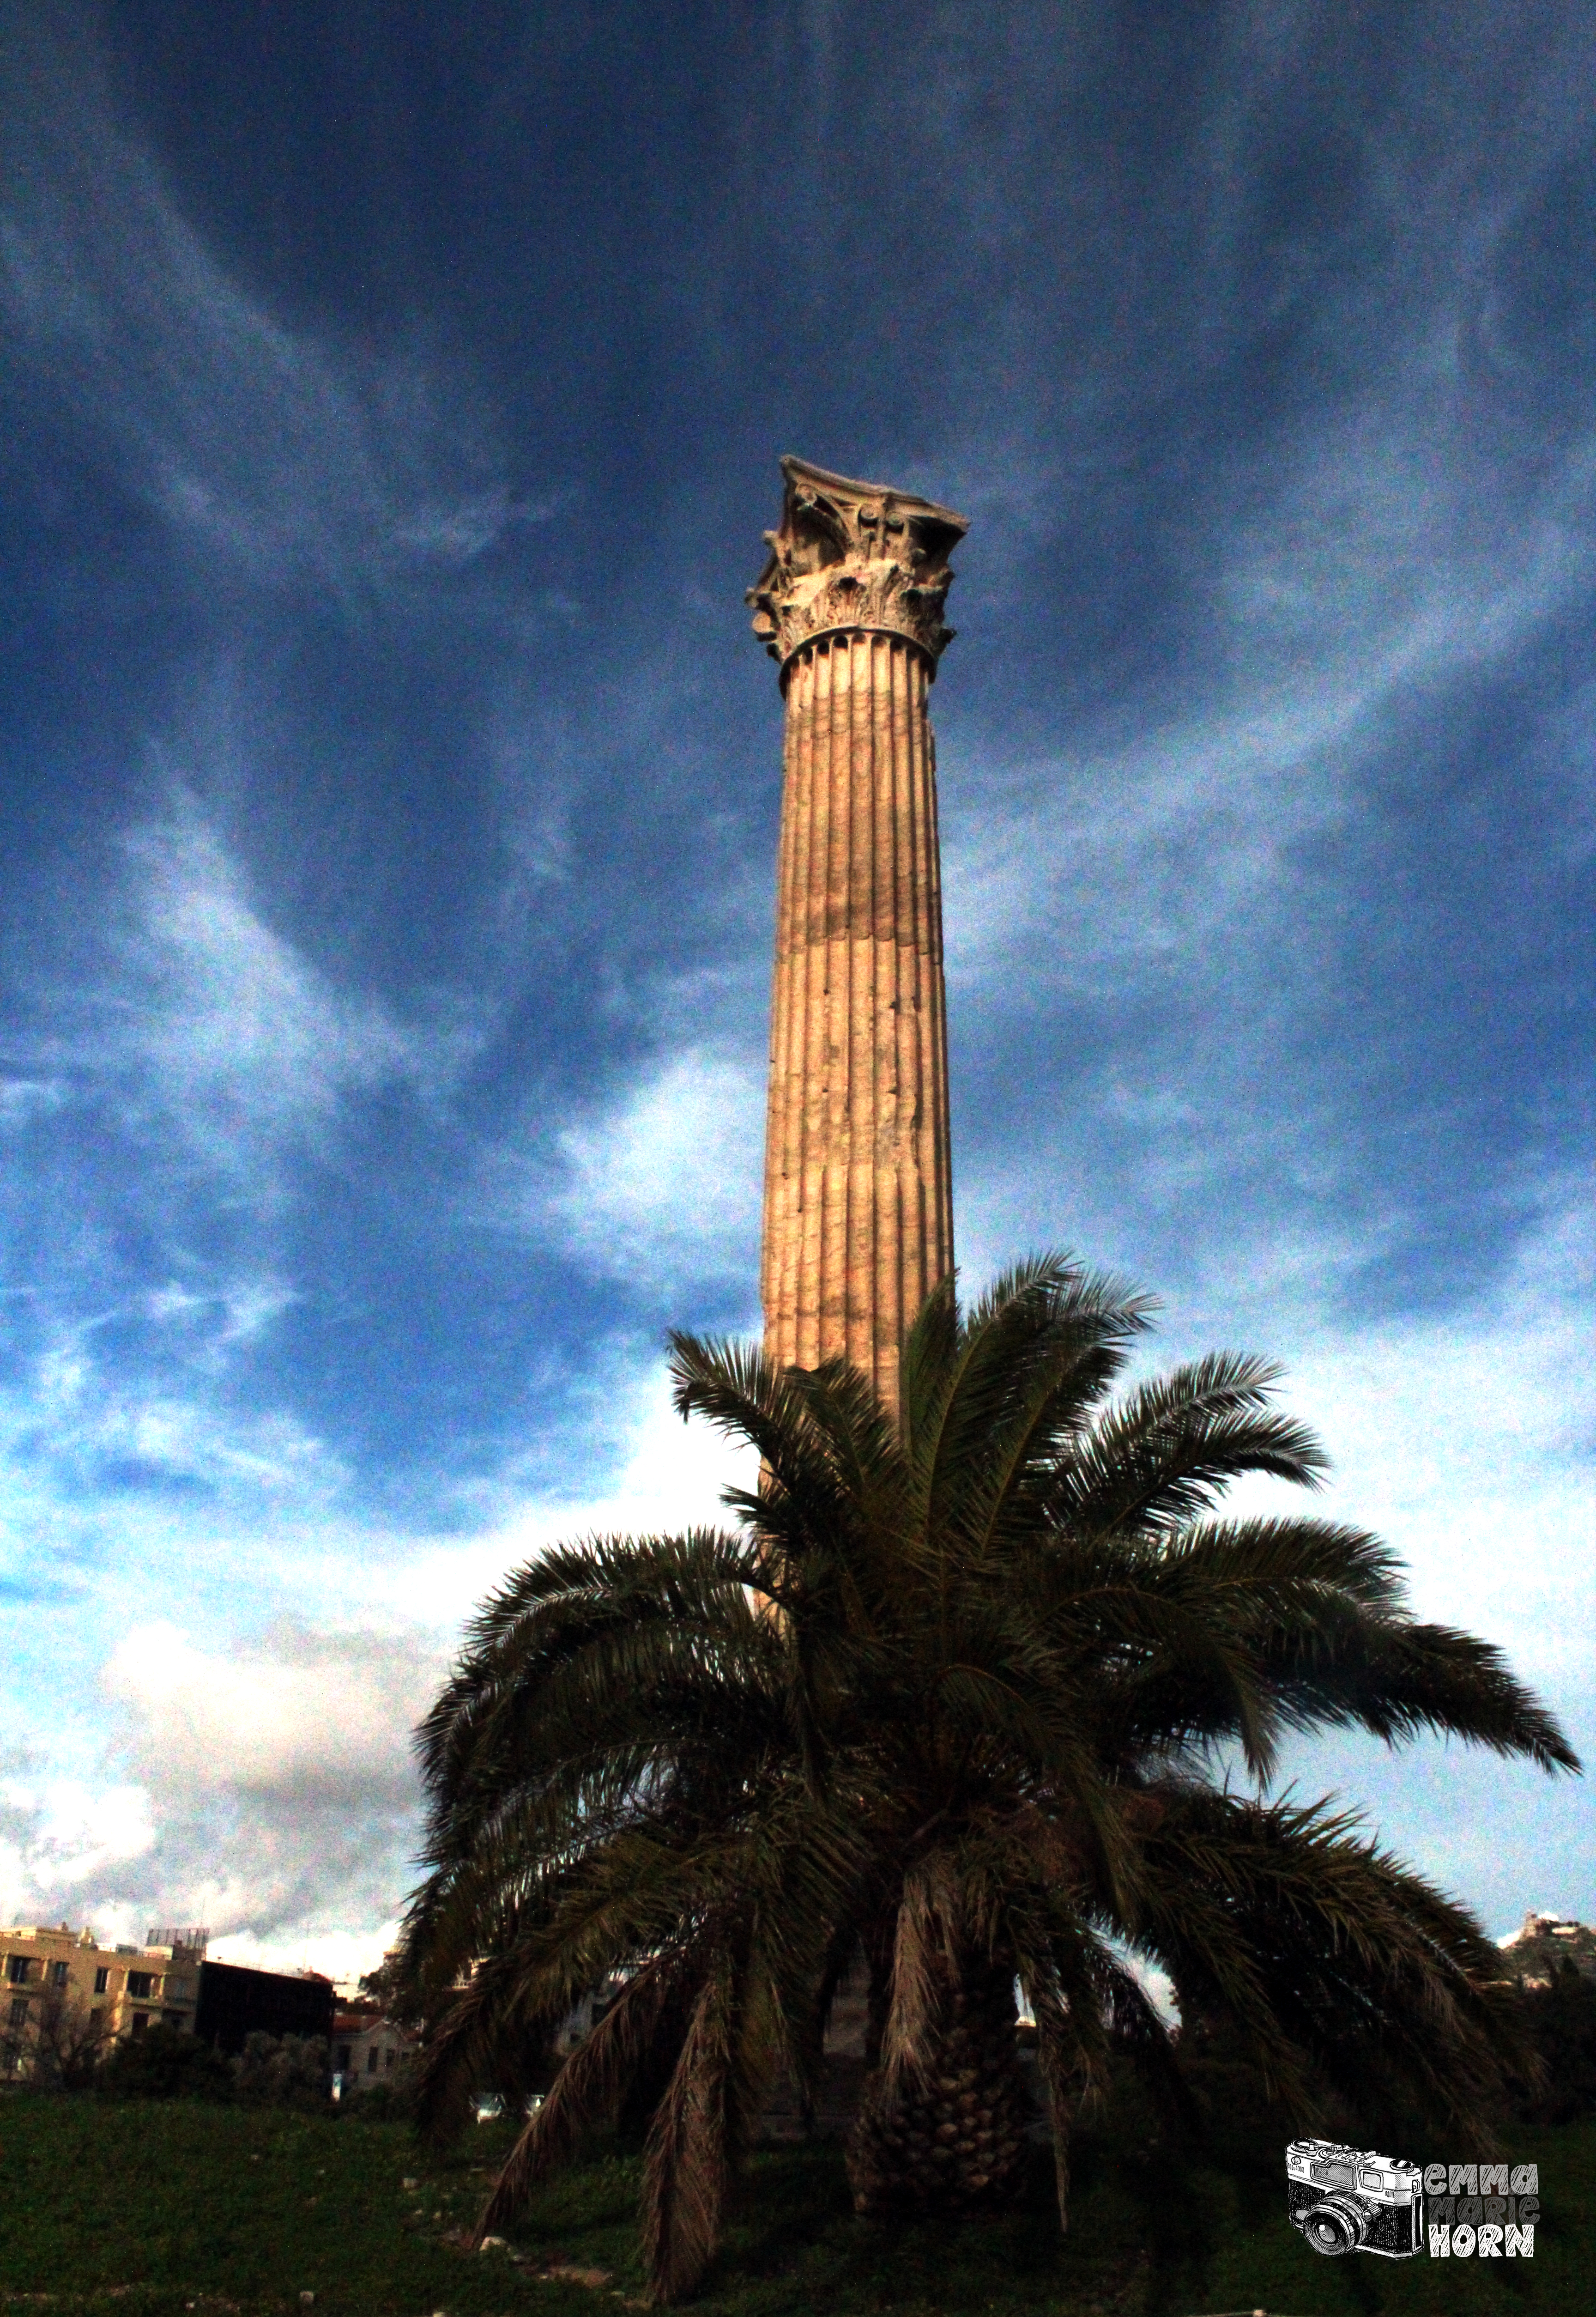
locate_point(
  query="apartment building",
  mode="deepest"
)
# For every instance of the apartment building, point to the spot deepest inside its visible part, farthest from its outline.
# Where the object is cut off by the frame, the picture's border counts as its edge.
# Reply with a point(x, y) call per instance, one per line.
point(57, 1980)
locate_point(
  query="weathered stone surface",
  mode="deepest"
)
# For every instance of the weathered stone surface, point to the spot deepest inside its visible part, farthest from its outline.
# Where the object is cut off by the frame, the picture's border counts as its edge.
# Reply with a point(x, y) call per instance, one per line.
point(858, 1194)
point(852, 555)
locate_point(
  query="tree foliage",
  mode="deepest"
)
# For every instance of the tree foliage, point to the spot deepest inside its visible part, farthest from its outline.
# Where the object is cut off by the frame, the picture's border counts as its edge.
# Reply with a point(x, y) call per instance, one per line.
point(59, 2046)
point(1562, 2023)
point(994, 1690)
point(167, 2062)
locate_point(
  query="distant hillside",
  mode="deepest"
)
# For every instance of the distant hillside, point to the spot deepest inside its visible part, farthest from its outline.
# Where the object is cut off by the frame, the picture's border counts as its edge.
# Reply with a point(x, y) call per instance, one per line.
point(1533, 1953)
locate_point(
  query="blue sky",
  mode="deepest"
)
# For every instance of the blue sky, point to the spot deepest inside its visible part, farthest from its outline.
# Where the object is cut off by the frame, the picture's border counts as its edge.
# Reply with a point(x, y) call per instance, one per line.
point(389, 789)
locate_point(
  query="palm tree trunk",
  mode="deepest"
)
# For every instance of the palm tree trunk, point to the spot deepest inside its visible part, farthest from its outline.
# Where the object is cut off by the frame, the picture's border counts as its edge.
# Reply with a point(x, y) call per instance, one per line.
point(951, 2133)
point(1061, 2171)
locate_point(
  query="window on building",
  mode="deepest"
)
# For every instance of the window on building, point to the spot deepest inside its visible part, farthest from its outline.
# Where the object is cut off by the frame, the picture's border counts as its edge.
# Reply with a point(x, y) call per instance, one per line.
point(343, 2059)
point(387, 2058)
point(140, 2023)
point(172, 2019)
point(140, 1985)
point(371, 2060)
point(59, 1972)
point(16, 1969)
point(96, 2021)
point(19, 2012)
point(102, 1979)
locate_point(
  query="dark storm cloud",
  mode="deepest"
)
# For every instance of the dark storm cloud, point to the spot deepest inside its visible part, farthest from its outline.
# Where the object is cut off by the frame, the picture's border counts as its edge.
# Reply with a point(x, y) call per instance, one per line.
point(389, 782)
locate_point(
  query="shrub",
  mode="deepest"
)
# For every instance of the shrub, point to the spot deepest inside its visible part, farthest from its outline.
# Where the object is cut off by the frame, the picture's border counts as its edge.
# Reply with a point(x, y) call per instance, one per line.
point(287, 2071)
point(165, 2064)
point(389, 2102)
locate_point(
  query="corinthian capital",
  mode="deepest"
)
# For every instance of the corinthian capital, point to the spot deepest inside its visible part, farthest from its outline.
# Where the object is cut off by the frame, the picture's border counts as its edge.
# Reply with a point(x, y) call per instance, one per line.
point(852, 555)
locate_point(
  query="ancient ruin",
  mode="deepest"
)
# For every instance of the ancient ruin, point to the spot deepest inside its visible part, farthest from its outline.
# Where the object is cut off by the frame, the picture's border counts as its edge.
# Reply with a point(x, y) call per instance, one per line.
point(857, 1191)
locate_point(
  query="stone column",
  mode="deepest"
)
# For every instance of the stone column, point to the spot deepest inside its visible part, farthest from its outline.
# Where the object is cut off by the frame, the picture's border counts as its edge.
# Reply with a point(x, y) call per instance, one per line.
point(858, 1190)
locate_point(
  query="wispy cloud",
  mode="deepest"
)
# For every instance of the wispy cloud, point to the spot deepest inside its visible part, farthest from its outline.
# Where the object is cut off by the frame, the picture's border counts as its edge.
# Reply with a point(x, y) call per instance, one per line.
point(207, 1033)
point(138, 1465)
point(96, 1430)
point(262, 448)
point(25, 1099)
point(219, 1025)
point(1348, 601)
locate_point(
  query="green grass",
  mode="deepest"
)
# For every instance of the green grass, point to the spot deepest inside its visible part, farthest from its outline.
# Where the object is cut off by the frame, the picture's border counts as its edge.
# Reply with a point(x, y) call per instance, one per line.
point(154, 2210)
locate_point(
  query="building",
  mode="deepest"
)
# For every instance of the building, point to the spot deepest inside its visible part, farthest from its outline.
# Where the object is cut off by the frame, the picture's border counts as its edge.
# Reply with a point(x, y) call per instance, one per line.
point(1537, 1950)
point(584, 2017)
point(367, 2048)
point(61, 1984)
point(62, 1988)
point(235, 2002)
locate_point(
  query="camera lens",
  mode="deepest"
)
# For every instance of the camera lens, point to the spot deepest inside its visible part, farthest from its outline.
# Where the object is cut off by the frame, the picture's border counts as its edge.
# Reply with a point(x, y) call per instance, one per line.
point(1333, 2228)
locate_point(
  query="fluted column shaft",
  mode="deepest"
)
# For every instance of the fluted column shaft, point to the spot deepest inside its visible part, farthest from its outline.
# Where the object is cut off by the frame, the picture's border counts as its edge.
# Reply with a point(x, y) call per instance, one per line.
point(858, 1192)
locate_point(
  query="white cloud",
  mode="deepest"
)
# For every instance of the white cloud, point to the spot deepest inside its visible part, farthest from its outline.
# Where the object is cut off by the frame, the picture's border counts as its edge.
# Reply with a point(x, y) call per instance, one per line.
point(324, 1717)
point(60, 1833)
point(1464, 1437)
point(658, 1186)
point(265, 1788)
point(266, 1785)
point(344, 1956)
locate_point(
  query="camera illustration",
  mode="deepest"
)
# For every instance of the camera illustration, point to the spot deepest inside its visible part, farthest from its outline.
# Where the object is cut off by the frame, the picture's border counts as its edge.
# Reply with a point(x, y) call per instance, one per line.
point(1352, 2200)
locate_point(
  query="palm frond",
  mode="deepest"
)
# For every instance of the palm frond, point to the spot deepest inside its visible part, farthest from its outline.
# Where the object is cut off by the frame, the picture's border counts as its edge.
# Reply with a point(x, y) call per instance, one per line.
point(1399, 1679)
point(685, 2161)
point(1164, 1454)
point(930, 1351)
point(1033, 1357)
point(1058, 2055)
point(921, 1960)
point(589, 2085)
point(1347, 1956)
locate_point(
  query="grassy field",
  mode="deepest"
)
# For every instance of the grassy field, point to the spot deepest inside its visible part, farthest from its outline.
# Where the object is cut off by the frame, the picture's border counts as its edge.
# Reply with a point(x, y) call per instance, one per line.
point(146, 2210)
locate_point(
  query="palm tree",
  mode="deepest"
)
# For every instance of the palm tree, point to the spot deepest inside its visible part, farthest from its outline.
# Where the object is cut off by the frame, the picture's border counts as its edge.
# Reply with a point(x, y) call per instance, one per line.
point(952, 1698)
